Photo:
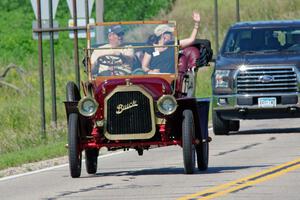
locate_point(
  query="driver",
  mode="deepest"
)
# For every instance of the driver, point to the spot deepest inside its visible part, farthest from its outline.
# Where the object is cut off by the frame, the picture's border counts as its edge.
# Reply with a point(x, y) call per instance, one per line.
point(108, 59)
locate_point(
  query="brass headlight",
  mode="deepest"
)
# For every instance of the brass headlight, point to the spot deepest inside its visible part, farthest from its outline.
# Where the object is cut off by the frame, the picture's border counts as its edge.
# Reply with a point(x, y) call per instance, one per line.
point(87, 106)
point(167, 104)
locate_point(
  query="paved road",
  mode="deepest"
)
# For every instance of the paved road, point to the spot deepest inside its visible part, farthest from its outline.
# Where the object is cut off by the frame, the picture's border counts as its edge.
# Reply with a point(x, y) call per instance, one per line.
point(262, 161)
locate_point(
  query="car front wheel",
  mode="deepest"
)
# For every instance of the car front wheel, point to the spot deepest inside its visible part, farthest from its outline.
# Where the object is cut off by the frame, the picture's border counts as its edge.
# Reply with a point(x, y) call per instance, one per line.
point(188, 148)
point(75, 155)
point(72, 92)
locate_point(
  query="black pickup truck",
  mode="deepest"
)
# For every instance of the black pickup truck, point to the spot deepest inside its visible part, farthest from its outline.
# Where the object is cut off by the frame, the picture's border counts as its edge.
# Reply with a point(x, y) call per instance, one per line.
point(256, 75)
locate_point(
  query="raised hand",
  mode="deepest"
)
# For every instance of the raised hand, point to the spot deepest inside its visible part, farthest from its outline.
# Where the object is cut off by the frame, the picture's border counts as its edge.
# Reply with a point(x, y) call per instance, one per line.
point(196, 17)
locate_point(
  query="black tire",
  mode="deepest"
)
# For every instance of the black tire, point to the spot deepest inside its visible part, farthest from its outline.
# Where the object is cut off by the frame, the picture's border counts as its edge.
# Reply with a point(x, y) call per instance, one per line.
point(202, 151)
point(75, 155)
point(91, 160)
point(188, 148)
point(220, 126)
point(234, 125)
point(72, 92)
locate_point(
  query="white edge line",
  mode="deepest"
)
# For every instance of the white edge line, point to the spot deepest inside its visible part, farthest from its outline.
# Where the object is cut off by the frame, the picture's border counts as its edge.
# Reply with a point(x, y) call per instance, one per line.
point(54, 167)
point(58, 166)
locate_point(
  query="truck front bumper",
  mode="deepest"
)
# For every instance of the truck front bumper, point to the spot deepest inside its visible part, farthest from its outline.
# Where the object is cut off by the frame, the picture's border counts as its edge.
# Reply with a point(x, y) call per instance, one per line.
point(246, 106)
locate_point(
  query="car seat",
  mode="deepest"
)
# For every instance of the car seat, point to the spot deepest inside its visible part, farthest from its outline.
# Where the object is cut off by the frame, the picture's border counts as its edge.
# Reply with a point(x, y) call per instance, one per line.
point(186, 64)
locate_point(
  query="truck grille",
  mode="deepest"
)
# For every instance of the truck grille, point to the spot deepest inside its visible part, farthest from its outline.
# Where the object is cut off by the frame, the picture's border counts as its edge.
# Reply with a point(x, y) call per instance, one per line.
point(129, 113)
point(267, 80)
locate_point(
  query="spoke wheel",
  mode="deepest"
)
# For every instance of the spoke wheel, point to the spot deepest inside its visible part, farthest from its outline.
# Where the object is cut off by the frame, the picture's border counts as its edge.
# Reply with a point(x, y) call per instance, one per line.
point(75, 155)
point(188, 148)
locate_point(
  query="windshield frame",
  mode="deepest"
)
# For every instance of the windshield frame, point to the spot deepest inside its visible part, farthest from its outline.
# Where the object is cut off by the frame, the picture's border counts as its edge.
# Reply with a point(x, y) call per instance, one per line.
point(88, 51)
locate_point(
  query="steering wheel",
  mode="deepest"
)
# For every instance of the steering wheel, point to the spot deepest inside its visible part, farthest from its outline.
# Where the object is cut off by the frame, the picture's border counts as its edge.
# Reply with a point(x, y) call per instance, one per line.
point(115, 65)
point(139, 71)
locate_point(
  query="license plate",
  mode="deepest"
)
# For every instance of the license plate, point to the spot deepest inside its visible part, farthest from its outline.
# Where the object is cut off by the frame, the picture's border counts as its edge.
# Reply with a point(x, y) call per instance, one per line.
point(267, 102)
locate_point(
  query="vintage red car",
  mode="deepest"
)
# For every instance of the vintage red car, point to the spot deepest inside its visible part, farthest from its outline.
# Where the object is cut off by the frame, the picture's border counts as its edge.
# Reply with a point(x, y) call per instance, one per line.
point(126, 107)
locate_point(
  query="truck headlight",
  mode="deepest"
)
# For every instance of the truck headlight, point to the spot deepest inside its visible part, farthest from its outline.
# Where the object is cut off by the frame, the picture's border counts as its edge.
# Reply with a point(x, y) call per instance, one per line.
point(167, 104)
point(87, 106)
point(222, 78)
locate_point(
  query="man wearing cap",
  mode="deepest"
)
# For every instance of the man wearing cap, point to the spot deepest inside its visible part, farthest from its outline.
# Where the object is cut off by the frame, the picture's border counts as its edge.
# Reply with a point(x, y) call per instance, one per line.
point(115, 39)
point(154, 60)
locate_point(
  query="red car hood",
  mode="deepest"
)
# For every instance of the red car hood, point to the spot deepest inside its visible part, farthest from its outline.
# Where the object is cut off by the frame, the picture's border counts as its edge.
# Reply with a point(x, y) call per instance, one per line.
point(156, 87)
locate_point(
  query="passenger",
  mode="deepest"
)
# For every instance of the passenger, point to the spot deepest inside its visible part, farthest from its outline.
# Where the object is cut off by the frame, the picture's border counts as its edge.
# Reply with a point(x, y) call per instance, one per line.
point(163, 57)
point(159, 59)
point(106, 59)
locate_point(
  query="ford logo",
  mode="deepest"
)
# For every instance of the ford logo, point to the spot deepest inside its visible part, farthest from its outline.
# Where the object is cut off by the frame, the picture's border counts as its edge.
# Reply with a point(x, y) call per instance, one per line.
point(266, 78)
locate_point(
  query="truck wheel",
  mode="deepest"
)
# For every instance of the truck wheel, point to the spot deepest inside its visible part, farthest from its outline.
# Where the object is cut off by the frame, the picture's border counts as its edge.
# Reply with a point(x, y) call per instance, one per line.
point(234, 125)
point(73, 143)
point(72, 93)
point(202, 151)
point(91, 160)
point(220, 126)
point(188, 148)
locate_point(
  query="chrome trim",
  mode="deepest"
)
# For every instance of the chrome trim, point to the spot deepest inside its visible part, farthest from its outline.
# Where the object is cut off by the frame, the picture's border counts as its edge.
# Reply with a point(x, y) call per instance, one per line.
point(80, 104)
point(100, 123)
point(232, 101)
point(266, 78)
point(162, 99)
point(121, 107)
point(160, 120)
point(136, 136)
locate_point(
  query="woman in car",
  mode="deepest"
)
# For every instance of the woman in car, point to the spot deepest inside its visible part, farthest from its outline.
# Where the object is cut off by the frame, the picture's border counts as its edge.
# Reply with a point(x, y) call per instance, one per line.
point(159, 59)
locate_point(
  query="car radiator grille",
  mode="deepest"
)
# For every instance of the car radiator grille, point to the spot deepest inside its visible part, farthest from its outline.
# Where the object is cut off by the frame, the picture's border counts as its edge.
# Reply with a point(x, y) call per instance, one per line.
point(135, 119)
point(267, 80)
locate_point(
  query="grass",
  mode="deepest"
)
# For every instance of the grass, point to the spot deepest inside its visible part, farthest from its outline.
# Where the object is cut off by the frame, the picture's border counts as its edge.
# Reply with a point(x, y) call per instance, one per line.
point(33, 154)
point(203, 81)
point(20, 138)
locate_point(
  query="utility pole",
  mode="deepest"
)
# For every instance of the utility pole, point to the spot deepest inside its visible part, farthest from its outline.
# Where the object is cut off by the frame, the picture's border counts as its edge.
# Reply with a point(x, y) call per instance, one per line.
point(216, 26)
point(41, 71)
point(99, 18)
point(238, 11)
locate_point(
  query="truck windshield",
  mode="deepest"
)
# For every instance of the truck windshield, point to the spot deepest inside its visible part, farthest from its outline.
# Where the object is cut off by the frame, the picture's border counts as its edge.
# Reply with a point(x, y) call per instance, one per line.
point(263, 40)
point(132, 49)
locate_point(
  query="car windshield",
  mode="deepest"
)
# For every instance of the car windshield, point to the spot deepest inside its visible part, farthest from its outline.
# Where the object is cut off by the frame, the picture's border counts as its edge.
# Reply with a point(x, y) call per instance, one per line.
point(262, 40)
point(119, 49)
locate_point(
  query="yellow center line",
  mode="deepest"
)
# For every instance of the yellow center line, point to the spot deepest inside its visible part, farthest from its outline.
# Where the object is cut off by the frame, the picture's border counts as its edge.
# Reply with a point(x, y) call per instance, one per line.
point(242, 183)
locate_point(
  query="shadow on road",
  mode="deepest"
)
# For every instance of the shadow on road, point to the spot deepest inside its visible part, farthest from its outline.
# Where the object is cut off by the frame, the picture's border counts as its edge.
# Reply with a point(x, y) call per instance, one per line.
point(231, 169)
point(128, 175)
point(174, 171)
point(153, 171)
point(267, 131)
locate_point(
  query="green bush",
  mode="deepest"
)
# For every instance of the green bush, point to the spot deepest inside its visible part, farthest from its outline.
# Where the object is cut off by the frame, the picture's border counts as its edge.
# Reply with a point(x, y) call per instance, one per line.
point(133, 10)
